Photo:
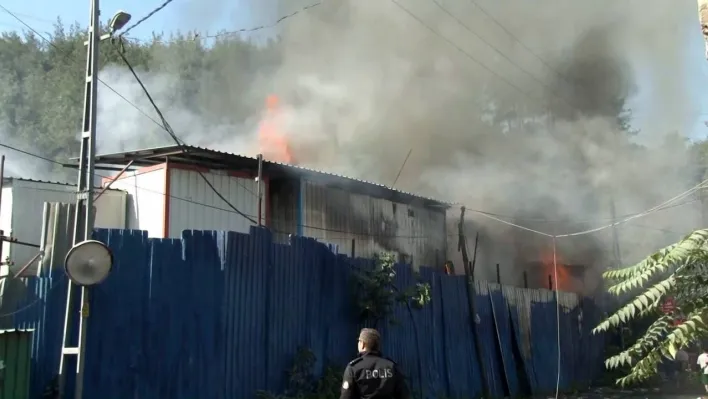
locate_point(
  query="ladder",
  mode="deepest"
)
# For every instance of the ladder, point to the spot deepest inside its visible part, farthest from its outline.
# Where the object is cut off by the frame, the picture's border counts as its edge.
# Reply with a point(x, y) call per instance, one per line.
point(74, 346)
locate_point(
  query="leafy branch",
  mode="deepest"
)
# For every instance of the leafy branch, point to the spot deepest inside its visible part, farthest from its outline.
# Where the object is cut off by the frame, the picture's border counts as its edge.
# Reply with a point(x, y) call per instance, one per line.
point(678, 271)
point(377, 295)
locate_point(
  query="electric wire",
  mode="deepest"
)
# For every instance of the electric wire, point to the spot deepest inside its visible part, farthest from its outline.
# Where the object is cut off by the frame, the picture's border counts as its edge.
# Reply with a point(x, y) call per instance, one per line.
point(501, 53)
point(516, 39)
point(166, 126)
point(317, 228)
point(68, 56)
point(491, 215)
point(145, 18)
point(36, 301)
point(141, 188)
point(486, 214)
point(475, 60)
point(463, 52)
point(239, 31)
point(179, 142)
point(661, 206)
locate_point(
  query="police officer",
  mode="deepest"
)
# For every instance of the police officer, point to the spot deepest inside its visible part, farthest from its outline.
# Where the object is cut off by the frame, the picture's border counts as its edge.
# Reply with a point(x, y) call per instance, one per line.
point(371, 376)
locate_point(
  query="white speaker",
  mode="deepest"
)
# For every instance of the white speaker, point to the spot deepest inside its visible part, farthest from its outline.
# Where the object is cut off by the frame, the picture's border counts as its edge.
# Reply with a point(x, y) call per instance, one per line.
point(88, 263)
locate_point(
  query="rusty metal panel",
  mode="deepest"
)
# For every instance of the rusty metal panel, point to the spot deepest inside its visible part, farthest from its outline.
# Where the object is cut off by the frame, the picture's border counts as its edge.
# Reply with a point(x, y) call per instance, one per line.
point(363, 225)
point(194, 205)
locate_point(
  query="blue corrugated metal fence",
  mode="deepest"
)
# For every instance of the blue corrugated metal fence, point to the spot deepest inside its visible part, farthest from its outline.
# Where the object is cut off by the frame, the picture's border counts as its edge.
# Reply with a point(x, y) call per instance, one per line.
point(222, 314)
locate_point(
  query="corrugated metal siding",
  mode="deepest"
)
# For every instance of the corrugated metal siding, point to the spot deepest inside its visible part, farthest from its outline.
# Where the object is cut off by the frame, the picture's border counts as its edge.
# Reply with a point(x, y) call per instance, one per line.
point(336, 216)
point(27, 205)
point(15, 364)
point(146, 200)
point(194, 205)
point(6, 225)
point(284, 205)
point(220, 315)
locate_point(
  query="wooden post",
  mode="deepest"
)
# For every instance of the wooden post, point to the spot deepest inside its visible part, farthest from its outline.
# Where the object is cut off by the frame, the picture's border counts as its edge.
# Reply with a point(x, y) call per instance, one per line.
point(260, 189)
point(526, 279)
point(353, 254)
point(550, 282)
point(469, 284)
point(498, 275)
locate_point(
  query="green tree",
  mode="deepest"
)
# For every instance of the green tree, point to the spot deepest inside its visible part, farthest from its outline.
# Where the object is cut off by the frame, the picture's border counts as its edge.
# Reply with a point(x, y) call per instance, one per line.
point(42, 94)
point(678, 271)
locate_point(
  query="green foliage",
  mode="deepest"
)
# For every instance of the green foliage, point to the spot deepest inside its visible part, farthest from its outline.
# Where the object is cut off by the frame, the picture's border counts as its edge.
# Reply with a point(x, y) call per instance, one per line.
point(42, 95)
point(302, 383)
point(677, 271)
point(377, 295)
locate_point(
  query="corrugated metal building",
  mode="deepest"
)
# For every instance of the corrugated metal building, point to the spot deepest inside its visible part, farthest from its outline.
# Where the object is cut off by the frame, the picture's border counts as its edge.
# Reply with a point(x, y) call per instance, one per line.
point(168, 196)
point(21, 210)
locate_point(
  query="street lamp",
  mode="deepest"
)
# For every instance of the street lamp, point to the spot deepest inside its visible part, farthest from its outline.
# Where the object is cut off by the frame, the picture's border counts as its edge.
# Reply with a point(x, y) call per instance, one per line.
point(118, 22)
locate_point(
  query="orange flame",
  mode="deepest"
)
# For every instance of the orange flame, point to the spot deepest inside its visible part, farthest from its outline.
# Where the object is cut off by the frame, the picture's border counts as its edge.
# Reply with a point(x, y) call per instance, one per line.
point(273, 143)
point(564, 282)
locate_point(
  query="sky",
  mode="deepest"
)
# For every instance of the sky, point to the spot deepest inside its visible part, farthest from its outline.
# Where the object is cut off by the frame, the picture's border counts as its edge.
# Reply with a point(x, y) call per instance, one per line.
point(187, 15)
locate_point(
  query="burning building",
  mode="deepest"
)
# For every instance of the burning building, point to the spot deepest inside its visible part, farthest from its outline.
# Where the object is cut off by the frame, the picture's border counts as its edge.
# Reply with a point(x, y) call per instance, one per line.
point(523, 258)
point(167, 195)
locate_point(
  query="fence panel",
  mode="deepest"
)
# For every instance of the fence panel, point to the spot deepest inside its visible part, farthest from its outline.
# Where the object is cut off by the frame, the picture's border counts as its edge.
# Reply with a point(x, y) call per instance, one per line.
point(504, 332)
point(222, 314)
point(464, 373)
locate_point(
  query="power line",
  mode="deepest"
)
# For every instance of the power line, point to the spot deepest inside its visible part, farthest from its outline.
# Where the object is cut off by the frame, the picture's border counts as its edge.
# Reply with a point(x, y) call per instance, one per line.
point(324, 229)
point(67, 56)
point(246, 30)
point(37, 300)
point(179, 142)
point(166, 127)
point(212, 206)
point(9, 147)
point(471, 57)
point(462, 51)
point(508, 32)
point(500, 53)
point(145, 18)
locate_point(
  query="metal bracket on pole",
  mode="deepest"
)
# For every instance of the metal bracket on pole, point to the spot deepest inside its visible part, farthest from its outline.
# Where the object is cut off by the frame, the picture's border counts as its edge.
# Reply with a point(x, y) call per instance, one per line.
point(83, 223)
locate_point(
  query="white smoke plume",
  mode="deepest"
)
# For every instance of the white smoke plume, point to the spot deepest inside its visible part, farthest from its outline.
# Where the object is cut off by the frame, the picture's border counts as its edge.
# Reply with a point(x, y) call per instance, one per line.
point(363, 82)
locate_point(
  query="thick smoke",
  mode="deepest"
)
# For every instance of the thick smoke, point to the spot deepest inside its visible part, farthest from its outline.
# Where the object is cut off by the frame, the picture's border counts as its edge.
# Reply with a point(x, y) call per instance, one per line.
point(363, 82)
point(23, 166)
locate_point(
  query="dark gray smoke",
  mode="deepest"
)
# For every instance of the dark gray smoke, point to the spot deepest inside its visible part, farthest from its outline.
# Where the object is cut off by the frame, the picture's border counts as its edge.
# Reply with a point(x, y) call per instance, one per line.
point(363, 82)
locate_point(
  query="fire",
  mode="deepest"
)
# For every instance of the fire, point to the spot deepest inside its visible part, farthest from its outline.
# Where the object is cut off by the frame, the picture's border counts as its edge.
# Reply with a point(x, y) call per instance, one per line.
point(564, 281)
point(273, 143)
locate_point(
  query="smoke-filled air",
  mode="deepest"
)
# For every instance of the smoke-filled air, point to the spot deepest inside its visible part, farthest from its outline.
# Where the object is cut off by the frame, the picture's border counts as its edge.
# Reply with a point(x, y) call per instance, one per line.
point(589, 107)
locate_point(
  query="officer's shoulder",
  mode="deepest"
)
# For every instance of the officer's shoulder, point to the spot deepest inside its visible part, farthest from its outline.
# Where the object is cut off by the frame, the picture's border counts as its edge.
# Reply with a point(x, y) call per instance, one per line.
point(389, 359)
point(355, 361)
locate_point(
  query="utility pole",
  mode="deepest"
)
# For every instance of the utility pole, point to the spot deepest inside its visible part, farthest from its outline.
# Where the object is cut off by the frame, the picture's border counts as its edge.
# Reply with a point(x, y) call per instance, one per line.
point(83, 221)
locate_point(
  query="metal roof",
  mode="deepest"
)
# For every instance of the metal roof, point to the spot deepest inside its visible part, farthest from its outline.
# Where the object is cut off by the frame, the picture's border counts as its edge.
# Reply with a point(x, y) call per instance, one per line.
point(212, 159)
point(9, 180)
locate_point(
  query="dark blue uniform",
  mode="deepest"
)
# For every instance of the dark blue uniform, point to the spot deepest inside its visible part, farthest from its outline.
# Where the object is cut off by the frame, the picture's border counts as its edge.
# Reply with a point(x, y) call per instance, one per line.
point(371, 376)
